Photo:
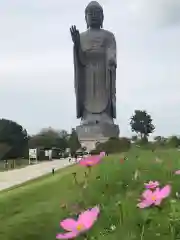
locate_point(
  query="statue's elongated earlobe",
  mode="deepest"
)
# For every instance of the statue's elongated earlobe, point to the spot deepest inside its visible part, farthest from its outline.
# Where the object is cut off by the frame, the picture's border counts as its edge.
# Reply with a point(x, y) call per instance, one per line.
point(87, 25)
point(86, 22)
point(102, 20)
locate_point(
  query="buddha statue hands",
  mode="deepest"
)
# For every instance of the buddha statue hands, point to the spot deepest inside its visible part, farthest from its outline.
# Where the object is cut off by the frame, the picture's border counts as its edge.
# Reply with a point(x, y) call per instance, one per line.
point(75, 36)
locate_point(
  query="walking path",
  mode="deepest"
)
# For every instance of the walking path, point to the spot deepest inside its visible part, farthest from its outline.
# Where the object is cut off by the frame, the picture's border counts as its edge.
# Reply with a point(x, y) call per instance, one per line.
point(17, 176)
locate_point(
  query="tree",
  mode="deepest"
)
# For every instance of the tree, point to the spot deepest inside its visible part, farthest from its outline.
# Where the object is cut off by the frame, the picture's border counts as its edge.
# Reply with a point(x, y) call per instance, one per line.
point(4, 150)
point(141, 123)
point(160, 141)
point(134, 138)
point(49, 138)
point(73, 142)
point(14, 138)
point(173, 141)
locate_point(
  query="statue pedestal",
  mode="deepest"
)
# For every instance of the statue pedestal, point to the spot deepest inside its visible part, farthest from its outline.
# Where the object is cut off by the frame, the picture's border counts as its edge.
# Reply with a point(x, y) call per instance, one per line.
point(91, 134)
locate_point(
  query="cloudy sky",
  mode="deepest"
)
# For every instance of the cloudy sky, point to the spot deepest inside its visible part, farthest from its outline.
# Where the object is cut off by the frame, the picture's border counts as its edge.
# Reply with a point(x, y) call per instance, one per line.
point(36, 63)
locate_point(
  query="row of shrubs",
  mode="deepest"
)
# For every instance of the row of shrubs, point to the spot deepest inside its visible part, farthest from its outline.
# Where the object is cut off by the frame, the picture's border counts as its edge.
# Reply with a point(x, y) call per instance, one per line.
point(113, 145)
point(118, 145)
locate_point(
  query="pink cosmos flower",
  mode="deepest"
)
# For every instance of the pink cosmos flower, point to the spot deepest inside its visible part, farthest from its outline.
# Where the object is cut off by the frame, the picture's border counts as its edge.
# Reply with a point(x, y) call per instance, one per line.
point(154, 197)
point(177, 172)
point(90, 161)
point(102, 154)
point(75, 227)
point(151, 185)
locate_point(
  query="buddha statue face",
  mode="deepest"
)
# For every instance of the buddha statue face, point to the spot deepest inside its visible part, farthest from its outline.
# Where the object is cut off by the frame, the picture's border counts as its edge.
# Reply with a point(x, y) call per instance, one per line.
point(94, 15)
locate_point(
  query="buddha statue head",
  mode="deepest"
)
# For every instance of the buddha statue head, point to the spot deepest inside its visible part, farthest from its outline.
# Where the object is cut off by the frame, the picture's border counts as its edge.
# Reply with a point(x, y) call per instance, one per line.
point(94, 15)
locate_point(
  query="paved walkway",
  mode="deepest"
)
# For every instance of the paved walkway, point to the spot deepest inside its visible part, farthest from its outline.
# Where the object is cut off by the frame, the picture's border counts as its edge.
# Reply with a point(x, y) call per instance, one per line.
point(17, 176)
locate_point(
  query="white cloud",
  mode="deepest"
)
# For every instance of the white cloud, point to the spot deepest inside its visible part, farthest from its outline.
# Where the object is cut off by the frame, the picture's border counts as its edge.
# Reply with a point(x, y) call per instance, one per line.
point(151, 13)
point(37, 63)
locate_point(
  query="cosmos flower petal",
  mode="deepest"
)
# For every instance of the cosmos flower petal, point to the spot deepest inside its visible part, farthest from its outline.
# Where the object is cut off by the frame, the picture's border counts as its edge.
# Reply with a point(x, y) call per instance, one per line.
point(145, 204)
point(147, 194)
point(90, 161)
point(165, 191)
point(151, 184)
point(158, 202)
point(68, 224)
point(88, 217)
point(68, 235)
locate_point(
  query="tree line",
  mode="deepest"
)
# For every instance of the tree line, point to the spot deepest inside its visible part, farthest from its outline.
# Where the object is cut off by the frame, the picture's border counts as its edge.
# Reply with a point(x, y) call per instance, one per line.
point(15, 140)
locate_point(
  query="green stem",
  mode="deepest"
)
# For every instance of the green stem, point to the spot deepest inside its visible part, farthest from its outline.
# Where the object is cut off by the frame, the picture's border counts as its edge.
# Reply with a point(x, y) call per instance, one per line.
point(142, 233)
point(121, 214)
point(89, 170)
point(86, 175)
point(75, 179)
point(172, 231)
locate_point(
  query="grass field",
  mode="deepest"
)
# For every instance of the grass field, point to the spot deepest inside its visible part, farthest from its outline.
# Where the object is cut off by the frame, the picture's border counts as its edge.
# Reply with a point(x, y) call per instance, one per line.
point(33, 211)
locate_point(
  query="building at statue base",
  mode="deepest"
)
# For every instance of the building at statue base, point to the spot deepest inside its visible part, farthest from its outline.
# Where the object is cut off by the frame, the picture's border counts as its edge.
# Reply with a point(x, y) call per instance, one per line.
point(90, 135)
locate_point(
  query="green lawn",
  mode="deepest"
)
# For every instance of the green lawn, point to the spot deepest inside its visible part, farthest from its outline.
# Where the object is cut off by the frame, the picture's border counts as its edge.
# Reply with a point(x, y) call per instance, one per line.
point(33, 211)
